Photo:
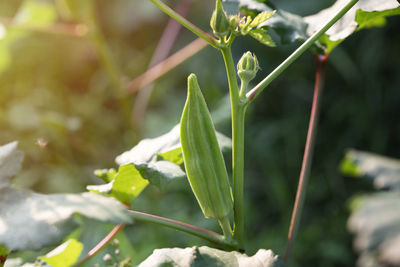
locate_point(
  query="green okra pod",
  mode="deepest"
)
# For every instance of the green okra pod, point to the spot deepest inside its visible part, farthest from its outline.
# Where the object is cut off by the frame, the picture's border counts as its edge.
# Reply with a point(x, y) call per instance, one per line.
point(204, 163)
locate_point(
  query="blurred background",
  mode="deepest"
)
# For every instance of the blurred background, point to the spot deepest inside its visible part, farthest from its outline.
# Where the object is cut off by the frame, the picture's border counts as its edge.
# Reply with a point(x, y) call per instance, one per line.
point(64, 69)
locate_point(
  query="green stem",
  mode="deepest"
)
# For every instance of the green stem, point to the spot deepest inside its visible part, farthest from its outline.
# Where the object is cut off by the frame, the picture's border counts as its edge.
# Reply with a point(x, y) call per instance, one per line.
point(187, 24)
point(307, 44)
point(226, 227)
point(238, 113)
point(308, 153)
point(211, 236)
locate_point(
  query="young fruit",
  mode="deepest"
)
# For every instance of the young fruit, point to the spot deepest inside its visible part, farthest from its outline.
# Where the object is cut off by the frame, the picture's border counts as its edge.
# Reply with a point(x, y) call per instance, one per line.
point(204, 163)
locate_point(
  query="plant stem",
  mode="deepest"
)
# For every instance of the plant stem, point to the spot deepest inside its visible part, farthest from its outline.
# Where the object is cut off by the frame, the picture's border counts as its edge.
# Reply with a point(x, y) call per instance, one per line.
point(166, 65)
point(164, 46)
point(307, 44)
point(102, 244)
point(187, 24)
point(226, 227)
point(211, 236)
point(308, 153)
point(3, 259)
point(238, 111)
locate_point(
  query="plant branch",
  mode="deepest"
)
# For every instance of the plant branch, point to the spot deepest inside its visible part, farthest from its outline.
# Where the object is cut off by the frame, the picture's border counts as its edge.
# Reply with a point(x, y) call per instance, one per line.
point(238, 114)
point(308, 153)
point(187, 24)
point(307, 44)
point(208, 235)
point(165, 66)
point(102, 244)
point(164, 46)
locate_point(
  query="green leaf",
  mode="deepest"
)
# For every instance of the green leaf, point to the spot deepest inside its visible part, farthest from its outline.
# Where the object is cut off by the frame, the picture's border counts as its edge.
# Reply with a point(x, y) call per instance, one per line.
point(10, 162)
point(148, 149)
point(291, 27)
point(262, 36)
point(38, 220)
point(365, 14)
point(383, 171)
point(107, 175)
point(260, 18)
point(375, 219)
point(377, 227)
point(128, 184)
point(205, 256)
point(374, 19)
point(4, 251)
point(64, 255)
point(29, 221)
point(160, 173)
point(174, 156)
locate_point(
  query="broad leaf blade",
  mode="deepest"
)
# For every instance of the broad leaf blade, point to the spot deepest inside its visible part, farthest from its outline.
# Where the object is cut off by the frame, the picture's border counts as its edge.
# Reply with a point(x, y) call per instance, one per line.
point(148, 149)
point(376, 218)
point(262, 36)
point(128, 184)
point(65, 255)
point(10, 162)
point(29, 221)
point(383, 171)
point(160, 173)
point(291, 27)
point(205, 256)
point(260, 18)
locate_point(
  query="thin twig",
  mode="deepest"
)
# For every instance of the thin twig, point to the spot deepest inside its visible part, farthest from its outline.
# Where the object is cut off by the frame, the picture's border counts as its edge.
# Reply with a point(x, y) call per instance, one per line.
point(187, 24)
point(165, 66)
point(102, 244)
point(75, 30)
point(161, 52)
point(308, 153)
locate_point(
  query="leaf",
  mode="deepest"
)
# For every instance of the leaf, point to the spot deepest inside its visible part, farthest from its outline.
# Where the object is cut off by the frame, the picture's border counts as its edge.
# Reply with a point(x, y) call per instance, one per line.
point(128, 184)
point(148, 149)
point(174, 156)
point(262, 36)
point(288, 26)
point(291, 27)
point(10, 162)
point(160, 173)
point(358, 17)
point(64, 255)
point(4, 251)
point(383, 171)
point(107, 175)
point(260, 18)
point(377, 226)
point(205, 256)
point(29, 221)
point(376, 218)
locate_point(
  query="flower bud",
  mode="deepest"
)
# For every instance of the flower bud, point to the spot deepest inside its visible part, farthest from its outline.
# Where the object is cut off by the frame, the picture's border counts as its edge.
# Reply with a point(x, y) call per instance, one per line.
point(247, 67)
point(219, 21)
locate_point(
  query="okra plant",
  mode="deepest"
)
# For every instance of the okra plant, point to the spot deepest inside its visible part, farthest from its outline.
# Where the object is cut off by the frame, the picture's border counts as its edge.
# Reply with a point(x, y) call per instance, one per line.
point(193, 149)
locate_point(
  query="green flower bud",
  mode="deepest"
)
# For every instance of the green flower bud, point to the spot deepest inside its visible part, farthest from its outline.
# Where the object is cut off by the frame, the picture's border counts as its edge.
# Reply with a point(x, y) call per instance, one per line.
point(219, 21)
point(247, 67)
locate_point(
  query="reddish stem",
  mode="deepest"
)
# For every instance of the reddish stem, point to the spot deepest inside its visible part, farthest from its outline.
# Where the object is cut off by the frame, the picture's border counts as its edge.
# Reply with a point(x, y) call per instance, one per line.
point(308, 153)
point(163, 48)
point(102, 244)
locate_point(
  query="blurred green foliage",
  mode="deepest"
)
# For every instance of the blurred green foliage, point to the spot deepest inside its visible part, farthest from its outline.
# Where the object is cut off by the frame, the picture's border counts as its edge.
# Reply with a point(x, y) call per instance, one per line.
point(60, 99)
